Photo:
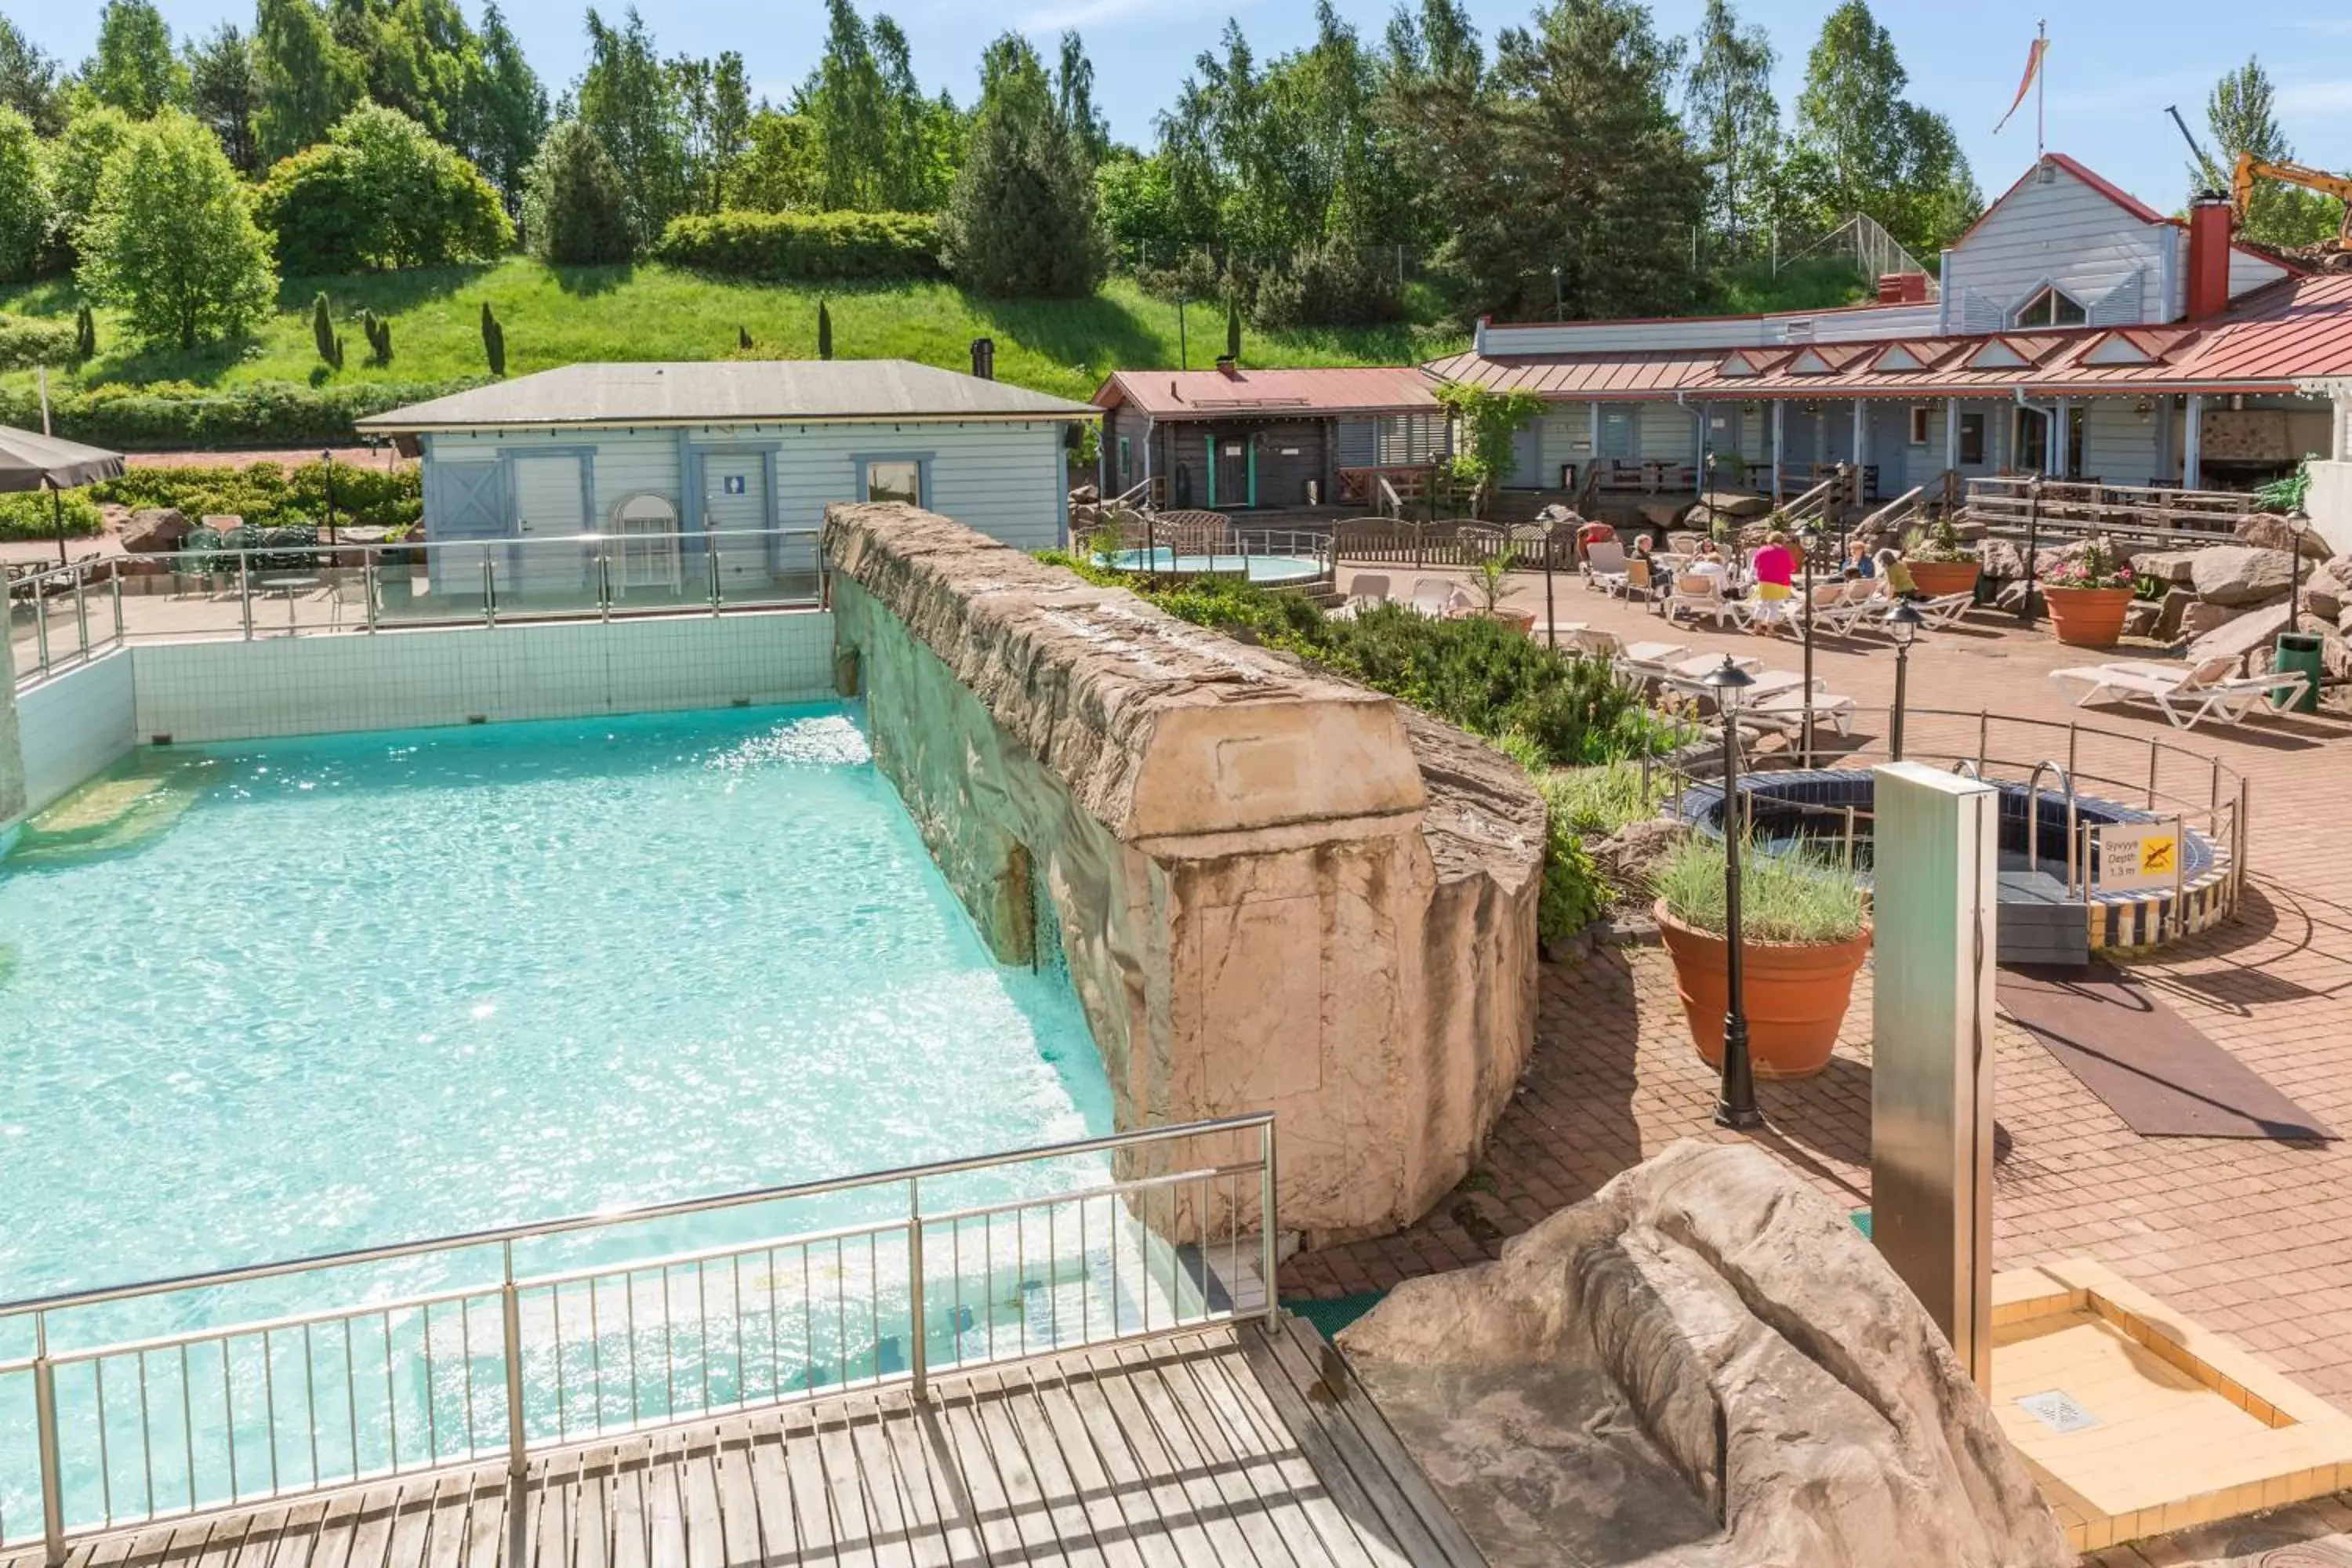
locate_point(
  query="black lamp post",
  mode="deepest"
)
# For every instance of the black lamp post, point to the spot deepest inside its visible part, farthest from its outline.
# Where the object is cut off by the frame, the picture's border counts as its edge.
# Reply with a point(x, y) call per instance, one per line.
point(1809, 539)
point(328, 458)
point(1552, 622)
point(1559, 309)
point(1903, 624)
point(1735, 1104)
point(2032, 543)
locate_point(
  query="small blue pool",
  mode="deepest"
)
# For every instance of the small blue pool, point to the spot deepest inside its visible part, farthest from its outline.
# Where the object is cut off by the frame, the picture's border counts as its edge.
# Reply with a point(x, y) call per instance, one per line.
point(1273, 571)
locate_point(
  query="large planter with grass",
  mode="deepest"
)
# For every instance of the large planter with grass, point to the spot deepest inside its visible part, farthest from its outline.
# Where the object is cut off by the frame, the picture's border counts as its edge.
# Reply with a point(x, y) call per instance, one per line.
point(1520, 621)
point(1804, 939)
point(1938, 579)
point(2086, 618)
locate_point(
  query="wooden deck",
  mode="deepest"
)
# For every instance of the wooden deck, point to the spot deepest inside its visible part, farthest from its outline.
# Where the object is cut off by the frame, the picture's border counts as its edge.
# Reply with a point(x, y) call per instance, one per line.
point(1226, 1447)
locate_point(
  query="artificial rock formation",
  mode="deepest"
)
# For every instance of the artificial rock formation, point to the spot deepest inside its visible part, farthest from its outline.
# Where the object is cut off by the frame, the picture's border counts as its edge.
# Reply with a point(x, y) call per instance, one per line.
point(1274, 890)
point(1703, 1365)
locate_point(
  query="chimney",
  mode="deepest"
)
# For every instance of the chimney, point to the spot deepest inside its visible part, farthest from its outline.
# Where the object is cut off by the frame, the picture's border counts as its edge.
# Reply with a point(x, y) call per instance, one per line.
point(1902, 288)
point(983, 358)
point(2209, 219)
point(1228, 368)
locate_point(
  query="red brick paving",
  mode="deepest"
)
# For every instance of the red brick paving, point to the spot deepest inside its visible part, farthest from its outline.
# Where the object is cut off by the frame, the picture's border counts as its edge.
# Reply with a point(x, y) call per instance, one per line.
point(2248, 1236)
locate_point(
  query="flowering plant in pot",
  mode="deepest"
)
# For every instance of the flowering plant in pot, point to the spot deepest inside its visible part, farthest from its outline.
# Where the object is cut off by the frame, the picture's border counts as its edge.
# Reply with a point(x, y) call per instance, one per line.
point(1803, 937)
point(1940, 564)
point(2088, 594)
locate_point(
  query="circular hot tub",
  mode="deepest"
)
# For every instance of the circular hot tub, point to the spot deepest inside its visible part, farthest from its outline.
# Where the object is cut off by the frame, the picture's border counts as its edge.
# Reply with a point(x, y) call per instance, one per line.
point(1268, 571)
point(1827, 811)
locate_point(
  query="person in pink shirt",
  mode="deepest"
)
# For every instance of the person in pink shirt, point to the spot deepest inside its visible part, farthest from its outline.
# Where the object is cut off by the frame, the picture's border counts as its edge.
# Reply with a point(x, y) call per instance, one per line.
point(1776, 575)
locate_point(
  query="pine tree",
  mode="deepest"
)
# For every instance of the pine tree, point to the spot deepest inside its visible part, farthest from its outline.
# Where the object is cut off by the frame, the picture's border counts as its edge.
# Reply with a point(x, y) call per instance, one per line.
point(494, 341)
point(223, 92)
point(322, 331)
point(1232, 329)
point(823, 331)
point(1022, 221)
point(574, 212)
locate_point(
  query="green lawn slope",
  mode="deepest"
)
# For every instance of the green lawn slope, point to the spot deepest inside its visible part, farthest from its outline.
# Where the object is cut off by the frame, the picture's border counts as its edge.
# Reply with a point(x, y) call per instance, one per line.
point(555, 316)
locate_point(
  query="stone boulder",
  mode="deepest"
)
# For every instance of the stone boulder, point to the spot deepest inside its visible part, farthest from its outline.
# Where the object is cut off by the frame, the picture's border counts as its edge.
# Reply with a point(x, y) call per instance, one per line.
point(2141, 617)
point(2327, 588)
point(2268, 532)
point(2012, 596)
point(2171, 565)
point(1702, 1365)
point(2241, 574)
point(2000, 559)
point(2251, 632)
point(2335, 651)
point(2172, 612)
point(2201, 617)
point(1738, 504)
point(1626, 859)
point(152, 531)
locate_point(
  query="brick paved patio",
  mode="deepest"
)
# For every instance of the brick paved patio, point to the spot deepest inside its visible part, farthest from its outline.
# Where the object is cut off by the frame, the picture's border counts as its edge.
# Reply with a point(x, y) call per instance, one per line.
point(2248, 1236)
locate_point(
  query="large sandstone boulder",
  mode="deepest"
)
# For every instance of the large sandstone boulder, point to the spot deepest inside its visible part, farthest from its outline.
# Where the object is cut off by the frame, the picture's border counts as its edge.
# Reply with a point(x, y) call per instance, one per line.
point(152, 531)
point(2241, 574)
point(2141, 617)
point(2268, 532)
point(2201, 617)
point(2172, 612)
point(2171, 565)
point(1703, 1365)
point(1627, 857)
point(2327, 588)
point(2249, 633)
point(1736, 503)
point(2000, 559)
point(2335, 650)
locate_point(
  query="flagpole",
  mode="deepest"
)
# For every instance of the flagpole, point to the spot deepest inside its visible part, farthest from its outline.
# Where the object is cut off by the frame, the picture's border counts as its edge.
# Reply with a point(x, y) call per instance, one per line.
point(2040, 75)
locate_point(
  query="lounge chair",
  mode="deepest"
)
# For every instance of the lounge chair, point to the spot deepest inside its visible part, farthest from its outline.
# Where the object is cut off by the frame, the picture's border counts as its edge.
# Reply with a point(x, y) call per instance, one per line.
point(1640, 578)
point(1370, 588)
point(1701, 593)
point(1604, 566)
point(2186, 695)
point(1785, 710)
point(1686, 675)
point(1437, 598)
point(1634, 661)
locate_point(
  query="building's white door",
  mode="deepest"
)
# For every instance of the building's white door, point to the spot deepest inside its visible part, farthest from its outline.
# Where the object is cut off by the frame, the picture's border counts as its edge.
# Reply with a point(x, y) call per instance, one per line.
point(735, 511)
point(551, 506)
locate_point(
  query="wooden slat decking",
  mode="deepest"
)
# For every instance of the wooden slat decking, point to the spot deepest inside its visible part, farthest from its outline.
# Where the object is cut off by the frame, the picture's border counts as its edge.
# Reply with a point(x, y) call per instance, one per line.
point(1227, 1447)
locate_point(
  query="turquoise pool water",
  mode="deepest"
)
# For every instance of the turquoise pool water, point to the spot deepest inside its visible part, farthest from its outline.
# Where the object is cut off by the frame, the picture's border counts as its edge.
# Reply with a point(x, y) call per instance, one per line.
point(272, 1000)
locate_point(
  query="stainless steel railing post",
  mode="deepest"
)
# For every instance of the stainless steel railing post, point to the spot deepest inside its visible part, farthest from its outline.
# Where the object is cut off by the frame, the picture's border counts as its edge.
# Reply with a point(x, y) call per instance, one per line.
point(1267, 1262)
point(245, 591)
point(489, 589)
point(114, 586)
point(81, 616)
point(45, 1417)
point(710, 561)
point(511, 1314)
point(603, 580)
point(371, 585)
point(918, 1352)
point(2152, 756)
point(2180, 856)
point(40, 628)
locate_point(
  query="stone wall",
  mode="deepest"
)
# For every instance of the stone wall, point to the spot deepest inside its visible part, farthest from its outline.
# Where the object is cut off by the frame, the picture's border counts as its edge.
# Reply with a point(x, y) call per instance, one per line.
point(1274, 890)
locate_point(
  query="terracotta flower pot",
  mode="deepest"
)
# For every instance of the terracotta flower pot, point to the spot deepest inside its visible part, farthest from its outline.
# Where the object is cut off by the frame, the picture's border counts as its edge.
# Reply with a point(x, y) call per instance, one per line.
point(1795, 995)
point(2086, 618)
point(1937, 578)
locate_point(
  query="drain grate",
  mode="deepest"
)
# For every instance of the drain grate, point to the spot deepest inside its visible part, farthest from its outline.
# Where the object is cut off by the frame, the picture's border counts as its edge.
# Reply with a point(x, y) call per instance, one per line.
point(2057, 1410)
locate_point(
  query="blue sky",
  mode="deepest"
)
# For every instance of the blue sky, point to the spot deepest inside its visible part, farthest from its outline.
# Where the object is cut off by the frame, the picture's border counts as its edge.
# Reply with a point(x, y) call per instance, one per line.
point(2114, 64)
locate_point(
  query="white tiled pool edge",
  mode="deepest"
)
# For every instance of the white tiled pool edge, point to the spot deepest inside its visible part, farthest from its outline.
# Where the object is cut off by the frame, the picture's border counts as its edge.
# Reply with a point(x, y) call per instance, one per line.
point(76, 723)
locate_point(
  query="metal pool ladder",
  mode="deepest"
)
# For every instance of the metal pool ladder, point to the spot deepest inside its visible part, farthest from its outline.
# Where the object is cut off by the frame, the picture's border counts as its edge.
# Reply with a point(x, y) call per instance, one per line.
point(2033, 818)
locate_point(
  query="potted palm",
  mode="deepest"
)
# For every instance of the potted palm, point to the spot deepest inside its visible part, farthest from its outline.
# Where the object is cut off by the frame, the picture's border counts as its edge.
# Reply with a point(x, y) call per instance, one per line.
point(1940, 564)
point(2088, 594)
point(1803, 937)
point(1490, 583)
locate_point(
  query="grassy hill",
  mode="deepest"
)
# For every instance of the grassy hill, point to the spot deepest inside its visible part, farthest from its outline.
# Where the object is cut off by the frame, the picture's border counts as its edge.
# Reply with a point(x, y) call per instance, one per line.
point(554, 316)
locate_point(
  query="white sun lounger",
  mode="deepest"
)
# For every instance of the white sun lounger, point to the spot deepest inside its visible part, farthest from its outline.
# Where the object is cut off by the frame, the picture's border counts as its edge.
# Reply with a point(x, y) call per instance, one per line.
point(1604, 566)
point(1699, 594)
point(1634, 661)
point(1785, 710)
point(2186, 695)
point(1436, 598)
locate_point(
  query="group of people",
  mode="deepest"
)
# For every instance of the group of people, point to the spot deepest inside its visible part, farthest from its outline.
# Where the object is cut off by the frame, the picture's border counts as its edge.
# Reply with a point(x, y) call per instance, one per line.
point(1775, 564)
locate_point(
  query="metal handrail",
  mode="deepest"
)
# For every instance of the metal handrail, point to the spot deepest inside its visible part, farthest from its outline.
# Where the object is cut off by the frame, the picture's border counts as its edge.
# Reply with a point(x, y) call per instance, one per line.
point(2033, 818)
point(461, 1437)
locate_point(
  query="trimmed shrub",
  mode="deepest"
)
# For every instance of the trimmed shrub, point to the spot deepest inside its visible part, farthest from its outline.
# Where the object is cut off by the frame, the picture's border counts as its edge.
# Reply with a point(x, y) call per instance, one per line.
point(85, 334)
point(322, 331)
point(266, 496)
point(28, 341)
point(494, 341)
point(378, 330)
point(823, 331)
point(27, 515)
point(1330, 286)
point(380, 193)
point(793, 247)
point(167, 416)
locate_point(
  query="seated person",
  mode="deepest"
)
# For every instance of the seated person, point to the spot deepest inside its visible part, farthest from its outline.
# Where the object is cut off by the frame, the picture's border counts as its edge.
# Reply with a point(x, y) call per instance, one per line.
point(1898, 576)
point(1858, 562)
point(1708, 562)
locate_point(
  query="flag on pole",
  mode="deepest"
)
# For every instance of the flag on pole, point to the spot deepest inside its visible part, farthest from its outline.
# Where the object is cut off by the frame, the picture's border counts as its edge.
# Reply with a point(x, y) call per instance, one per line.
point(2025, 84)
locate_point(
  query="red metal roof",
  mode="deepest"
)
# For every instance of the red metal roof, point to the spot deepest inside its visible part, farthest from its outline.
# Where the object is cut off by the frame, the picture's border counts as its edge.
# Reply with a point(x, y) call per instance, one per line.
point(1270, 393)
point(2298, 330)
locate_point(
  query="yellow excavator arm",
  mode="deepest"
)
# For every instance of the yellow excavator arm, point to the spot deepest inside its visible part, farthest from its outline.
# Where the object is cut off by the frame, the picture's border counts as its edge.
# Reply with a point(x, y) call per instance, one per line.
point(2251, 168)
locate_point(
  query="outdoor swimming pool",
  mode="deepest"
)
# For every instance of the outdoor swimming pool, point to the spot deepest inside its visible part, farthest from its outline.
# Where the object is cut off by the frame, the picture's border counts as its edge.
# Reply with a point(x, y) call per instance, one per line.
point(271, 1000)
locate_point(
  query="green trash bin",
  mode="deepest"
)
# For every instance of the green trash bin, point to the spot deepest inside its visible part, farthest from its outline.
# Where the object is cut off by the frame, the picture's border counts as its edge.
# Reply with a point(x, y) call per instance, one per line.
point(2300, 650)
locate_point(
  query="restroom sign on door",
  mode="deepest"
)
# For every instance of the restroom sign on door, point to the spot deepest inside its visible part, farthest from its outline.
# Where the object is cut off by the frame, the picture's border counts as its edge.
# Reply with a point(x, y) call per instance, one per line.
point(2136, 855)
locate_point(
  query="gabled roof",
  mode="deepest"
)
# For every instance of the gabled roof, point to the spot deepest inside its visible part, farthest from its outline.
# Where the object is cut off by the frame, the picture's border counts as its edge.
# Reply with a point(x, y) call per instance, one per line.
point(2114, 192)
point(1321, 393)
point(728, 391)
point(1899, 357)
point(2118, 348)
point(2294, 330)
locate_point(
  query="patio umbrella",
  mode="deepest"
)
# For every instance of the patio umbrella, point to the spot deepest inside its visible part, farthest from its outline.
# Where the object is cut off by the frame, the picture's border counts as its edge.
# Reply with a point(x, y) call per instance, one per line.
point(29, 461)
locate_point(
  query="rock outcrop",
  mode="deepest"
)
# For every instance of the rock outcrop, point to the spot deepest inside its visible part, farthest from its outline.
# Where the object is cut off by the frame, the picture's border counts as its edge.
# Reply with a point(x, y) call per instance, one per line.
point(2241, 574)
point(2250, 632)
point(1274, 890)
point(1703, 1365)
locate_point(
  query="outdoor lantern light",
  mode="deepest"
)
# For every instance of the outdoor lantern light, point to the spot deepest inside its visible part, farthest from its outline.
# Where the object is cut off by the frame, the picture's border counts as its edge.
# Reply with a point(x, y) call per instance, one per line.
point(2032, 552)
point(1809, 539)
point(1903, 624)
point(1735, 1104)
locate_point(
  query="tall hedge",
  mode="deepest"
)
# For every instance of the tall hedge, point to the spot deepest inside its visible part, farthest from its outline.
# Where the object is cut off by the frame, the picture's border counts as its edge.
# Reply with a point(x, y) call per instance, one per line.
point(795, 247)
point(166, 416)
point(29, 340)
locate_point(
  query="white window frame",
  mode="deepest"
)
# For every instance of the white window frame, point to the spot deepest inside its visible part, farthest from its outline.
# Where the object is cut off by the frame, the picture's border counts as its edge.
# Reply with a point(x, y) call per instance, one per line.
point(2051, 293)
point(1920, 416)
